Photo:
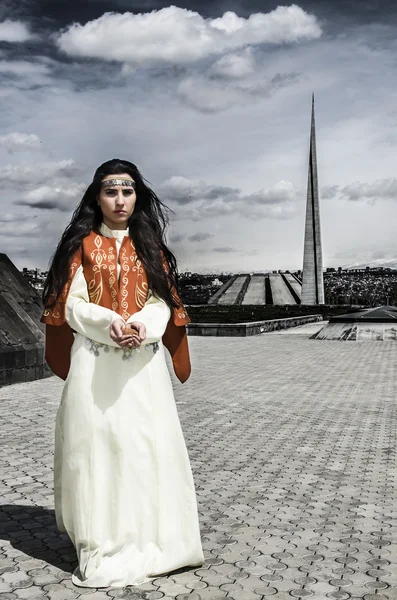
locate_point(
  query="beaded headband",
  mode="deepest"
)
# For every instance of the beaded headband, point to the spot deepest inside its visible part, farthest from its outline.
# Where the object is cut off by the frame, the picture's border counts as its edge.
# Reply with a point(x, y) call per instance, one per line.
point(123, 182)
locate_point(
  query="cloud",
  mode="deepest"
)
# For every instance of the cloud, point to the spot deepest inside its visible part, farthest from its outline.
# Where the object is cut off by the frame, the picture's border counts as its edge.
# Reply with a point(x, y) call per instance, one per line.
point(233, 149)
point(33, 228)
point(200, 237)
point(381, 188)
point(179, 36)
point(9, 218)
point(14, 31)
point(47, 185)
point(185, 191)
point(198, 200)
point(358, 191)
point(33, 175)
point(19, 75)
point(23, 67)
point(14, 142)
point(233, 66)
point(176, 238)
point(61, 196)
point(42, 197)
point(224, 249)
point(30, 239)
point(329, 191)
point(211, 96)
point(282, 192)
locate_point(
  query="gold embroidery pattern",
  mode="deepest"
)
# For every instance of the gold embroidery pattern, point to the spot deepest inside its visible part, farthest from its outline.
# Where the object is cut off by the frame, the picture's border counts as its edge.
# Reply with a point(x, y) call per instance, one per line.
point(112, 278)
point(95, 286)
point(56, 313)
point(49, 313)
point(133, 264)
point(141, 287)
point(124, 281)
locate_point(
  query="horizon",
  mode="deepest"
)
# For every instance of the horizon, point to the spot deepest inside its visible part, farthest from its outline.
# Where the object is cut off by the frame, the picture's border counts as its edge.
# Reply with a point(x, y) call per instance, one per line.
point(256, 272)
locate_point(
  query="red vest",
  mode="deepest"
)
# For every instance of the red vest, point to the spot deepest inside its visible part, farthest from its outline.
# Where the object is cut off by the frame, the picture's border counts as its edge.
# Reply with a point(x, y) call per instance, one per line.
point(98, 256)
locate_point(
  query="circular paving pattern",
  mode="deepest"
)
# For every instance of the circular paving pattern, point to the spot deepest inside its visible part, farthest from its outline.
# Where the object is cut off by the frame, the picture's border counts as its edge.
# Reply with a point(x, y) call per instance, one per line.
point(293, 463)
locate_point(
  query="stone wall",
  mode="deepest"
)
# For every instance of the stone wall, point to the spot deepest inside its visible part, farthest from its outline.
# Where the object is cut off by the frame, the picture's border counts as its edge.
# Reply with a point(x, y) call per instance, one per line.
point(21, 333)
point(246, 329)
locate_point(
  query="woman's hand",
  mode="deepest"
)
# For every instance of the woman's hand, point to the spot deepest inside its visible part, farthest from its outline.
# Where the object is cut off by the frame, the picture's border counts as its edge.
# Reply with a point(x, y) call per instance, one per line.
point(127, 340)
point(123, 340)
point(141, 330)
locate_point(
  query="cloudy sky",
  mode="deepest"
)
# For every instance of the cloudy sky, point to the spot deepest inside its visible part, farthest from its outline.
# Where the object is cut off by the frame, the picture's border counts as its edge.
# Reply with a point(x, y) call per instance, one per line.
point(212, 101)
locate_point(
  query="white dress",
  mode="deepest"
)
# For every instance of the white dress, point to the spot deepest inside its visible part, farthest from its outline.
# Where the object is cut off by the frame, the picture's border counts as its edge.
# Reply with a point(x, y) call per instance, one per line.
point(124, 489)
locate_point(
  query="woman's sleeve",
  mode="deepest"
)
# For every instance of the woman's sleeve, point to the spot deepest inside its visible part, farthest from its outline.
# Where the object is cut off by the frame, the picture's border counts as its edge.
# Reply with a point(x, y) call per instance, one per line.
point(155, 316)
point(84, 316)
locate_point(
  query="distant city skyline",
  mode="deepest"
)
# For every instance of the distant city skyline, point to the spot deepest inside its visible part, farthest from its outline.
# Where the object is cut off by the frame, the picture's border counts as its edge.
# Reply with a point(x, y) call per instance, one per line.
point(230, 273)
point(212, 101)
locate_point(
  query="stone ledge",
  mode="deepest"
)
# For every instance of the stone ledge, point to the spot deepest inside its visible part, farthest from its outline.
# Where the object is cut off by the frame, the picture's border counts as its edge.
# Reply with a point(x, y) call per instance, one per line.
point(20, 364)
point(249, 328)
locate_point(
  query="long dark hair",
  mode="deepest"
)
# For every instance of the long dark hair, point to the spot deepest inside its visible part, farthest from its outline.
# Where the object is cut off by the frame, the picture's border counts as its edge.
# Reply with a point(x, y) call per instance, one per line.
point(146, 225)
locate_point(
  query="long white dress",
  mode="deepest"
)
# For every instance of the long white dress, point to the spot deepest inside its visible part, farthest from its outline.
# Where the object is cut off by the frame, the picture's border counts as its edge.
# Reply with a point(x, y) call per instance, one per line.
point(124, 489)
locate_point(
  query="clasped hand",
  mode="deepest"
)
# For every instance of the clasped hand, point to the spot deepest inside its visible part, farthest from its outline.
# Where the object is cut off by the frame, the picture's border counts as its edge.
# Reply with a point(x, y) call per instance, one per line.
point(127, 340)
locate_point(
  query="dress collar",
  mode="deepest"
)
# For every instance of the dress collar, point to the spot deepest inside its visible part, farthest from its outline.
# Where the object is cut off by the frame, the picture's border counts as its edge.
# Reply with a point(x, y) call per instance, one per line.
point(119, 234)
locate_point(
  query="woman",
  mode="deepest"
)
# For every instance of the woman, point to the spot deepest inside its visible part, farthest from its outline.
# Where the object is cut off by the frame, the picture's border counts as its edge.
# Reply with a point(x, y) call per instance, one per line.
point(123, 485)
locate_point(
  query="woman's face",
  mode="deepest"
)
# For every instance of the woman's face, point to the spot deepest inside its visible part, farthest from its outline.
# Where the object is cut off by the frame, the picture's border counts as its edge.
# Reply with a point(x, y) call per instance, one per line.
point(117, 202)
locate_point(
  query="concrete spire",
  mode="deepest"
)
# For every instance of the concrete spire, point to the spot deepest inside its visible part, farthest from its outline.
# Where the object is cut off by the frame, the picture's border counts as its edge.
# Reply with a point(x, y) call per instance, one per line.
point(312, 275)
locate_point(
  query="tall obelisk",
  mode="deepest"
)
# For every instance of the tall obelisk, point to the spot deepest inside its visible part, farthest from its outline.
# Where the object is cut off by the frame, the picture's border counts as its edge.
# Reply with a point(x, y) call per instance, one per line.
point(312, 274)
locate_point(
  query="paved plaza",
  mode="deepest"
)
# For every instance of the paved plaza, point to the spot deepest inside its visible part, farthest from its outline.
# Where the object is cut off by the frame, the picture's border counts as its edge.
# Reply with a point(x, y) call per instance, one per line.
point(293, 448)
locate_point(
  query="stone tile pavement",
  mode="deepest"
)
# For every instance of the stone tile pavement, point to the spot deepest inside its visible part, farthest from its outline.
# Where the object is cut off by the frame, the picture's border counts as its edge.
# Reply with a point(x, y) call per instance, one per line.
point(293, 447)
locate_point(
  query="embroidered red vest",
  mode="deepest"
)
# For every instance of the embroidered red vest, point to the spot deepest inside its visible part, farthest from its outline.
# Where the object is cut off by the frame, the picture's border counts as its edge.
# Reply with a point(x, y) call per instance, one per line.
point(126, 296)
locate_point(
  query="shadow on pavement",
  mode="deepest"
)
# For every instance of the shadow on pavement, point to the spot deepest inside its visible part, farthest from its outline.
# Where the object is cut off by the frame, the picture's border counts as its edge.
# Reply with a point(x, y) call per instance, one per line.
point(33, 531)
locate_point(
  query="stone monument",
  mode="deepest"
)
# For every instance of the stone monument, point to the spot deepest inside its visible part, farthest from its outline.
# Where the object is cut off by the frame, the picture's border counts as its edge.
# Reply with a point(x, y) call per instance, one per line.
point(312, 274)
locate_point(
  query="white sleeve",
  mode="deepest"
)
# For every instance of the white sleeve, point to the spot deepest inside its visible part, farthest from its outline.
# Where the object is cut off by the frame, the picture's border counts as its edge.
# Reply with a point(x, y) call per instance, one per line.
point(84, 316)
point(155, 316)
